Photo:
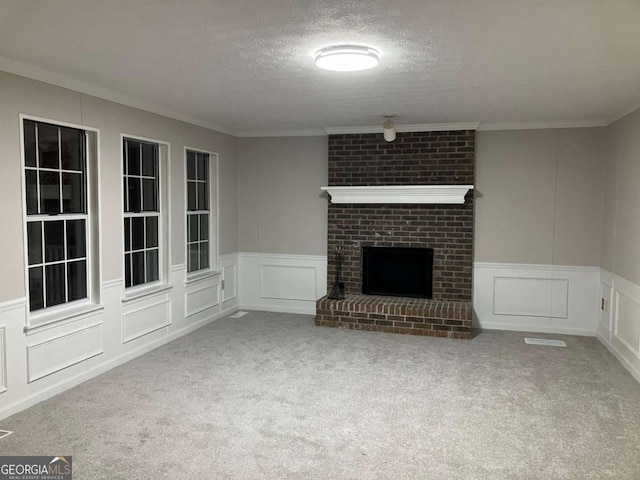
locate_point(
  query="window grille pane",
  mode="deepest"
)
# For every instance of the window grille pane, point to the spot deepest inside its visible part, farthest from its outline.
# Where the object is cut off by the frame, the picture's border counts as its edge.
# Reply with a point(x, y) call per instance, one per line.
point(127, 270)
point(77, 279)
point(32, 192)
point(203, 203)
point(48, 146)
point(49, 192)
point(204, 255)
point(152, 232)
point(54, 241)
point(133, 158)
point(34, 239)
point(191, 166)
point(71, 149)
point(29, 143)
point(194, 263)
point(55, 284)
point(137, 268)
point(193, 228)
point(204, 227)
point(127, 234)
point(76, 239)
point(149, 195)
point(149, 160)
point(201, 166)
point(192, 203)
point(135, 193)
point(73, 193)
point(36, 289)
point(152, 266)
point(125, 194)
point(137, 233)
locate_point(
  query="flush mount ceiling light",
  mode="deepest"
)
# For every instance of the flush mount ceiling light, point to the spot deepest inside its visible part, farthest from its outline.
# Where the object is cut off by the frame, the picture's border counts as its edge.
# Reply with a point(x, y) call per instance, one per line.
point(347, 58)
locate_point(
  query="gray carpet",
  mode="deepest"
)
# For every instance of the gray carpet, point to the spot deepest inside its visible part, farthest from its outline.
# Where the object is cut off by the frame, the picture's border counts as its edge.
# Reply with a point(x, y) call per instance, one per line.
point(271, 396)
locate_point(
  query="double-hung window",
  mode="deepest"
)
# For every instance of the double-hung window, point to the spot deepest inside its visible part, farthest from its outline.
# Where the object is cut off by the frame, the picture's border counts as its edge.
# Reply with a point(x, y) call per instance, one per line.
point(198, 211)
point(141, 169)
point(55, 169)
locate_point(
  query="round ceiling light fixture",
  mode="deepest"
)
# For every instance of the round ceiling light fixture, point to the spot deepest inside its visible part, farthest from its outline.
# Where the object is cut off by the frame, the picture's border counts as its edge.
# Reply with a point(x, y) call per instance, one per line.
point(347, 58)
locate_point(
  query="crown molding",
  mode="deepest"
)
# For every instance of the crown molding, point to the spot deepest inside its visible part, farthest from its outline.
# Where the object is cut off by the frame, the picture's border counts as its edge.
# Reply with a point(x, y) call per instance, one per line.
point(311, 132)
point(59, 80)
point(421, 127)
point(596, 122)
point(621, 114)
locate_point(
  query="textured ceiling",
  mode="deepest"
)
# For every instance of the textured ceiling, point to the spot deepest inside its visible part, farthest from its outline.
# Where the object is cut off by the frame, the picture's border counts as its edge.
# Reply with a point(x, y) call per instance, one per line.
point(248, 65)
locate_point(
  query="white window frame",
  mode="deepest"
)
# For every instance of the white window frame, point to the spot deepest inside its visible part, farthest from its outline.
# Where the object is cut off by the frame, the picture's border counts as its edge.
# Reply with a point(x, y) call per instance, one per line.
point(214, 217)
point(93, 254)
point(164, 220)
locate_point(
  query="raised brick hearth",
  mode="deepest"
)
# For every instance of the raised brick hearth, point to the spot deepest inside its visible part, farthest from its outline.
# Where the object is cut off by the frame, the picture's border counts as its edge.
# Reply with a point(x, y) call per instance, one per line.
point(415, 158)
point(416, 316)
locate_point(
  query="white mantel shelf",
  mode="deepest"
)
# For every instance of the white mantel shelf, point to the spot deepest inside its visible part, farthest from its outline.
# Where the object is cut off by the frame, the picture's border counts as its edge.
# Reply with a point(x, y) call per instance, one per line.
point(433, 194)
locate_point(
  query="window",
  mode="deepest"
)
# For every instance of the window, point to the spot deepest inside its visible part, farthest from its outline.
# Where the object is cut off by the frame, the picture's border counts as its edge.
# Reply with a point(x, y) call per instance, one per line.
point(55, 169)
point(141, 212)
point(198, 213)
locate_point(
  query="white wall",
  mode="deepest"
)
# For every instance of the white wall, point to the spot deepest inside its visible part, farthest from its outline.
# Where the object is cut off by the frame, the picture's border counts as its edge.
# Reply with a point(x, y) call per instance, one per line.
point(539, 196)
point(280, 205)
point(619, 328)
point(537, 229)
point(50, 358)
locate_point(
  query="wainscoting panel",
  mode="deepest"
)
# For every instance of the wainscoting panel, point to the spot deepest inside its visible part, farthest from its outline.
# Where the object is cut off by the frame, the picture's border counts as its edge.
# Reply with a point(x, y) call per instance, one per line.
point(202, 295)
point(282, 283)
point(536, 298)
point(61, 351)
point(288, 282)
point(627, 326)
point(605, 327)
point(619, 328)
point(145, 317)
point(3, 362)
point(530, 297)
point(229, 266)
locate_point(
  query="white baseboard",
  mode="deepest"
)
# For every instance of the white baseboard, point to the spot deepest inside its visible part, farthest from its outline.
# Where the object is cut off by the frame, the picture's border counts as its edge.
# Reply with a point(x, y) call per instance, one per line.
point(67, 383)
point(515, 327)
point(306, 310)
point(536, 298)
point(631, 367)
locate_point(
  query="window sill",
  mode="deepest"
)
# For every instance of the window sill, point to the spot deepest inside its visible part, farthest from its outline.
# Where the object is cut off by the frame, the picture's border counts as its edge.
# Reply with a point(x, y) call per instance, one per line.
point(148, 291)
point(40, 321)
point(200, 276)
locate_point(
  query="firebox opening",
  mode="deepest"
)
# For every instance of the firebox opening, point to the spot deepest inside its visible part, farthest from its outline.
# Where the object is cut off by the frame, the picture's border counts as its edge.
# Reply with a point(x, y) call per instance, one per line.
point(397, 271)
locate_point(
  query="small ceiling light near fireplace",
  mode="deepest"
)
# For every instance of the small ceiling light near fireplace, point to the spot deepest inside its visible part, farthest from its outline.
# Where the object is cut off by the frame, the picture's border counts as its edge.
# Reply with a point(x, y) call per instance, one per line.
point(389, 129)
point(347, 58)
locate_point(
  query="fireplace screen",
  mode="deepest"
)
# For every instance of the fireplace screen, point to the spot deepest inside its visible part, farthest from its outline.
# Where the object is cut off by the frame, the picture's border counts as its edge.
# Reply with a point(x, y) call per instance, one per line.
point(399, 272)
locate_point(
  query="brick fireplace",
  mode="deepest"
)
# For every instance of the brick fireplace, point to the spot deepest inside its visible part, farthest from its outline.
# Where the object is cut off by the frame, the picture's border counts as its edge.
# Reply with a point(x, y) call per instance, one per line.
point(415, 158)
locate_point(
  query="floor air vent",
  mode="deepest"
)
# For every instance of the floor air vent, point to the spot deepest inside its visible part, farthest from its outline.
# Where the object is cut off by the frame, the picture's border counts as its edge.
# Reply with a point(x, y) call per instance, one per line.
point(545, 342)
